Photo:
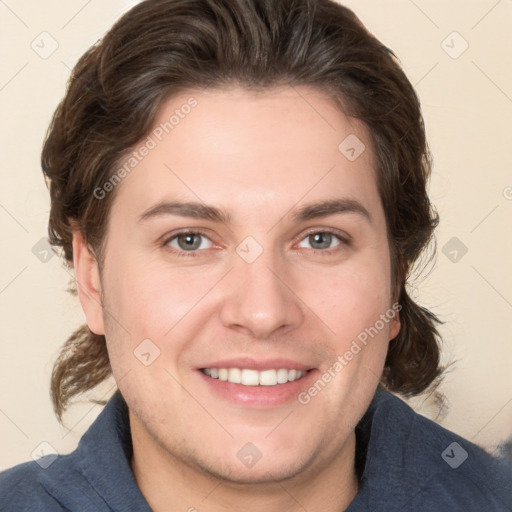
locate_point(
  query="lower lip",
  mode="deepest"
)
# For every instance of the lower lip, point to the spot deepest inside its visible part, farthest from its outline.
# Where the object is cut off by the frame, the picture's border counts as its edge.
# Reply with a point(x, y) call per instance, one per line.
point(262, 397)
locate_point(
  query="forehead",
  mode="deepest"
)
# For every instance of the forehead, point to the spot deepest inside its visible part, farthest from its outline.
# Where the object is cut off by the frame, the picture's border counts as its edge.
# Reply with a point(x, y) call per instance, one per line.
point(251, 151)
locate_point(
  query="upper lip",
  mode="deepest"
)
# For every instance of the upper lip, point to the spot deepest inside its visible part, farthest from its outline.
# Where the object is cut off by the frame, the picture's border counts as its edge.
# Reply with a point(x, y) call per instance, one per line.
point(257, 364)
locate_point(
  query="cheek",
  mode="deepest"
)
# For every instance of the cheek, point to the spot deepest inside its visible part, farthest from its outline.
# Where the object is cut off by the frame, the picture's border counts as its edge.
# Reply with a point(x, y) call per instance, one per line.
point(351, 291)
point(142, 306)
point(351, 299)
point(147, 299)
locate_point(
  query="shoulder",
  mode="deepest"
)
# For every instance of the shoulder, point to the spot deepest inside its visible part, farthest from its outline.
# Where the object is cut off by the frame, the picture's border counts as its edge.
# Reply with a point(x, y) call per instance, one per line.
point(92, 477)
point(443, 467)
point(21, 488)
point(37, 485)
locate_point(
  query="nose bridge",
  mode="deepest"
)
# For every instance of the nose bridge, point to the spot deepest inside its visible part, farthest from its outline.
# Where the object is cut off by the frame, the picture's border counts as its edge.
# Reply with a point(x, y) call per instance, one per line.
point(260, 302)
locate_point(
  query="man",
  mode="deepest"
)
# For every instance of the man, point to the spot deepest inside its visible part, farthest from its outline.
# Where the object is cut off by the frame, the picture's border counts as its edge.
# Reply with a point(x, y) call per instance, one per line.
point(240, 187)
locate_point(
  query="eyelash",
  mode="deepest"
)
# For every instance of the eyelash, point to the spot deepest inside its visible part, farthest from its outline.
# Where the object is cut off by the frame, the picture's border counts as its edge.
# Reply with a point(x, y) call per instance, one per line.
point(344, 240)
point(184, 254)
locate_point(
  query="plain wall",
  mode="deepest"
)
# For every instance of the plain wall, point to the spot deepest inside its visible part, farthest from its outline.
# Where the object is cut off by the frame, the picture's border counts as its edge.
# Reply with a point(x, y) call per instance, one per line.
point(467, 104)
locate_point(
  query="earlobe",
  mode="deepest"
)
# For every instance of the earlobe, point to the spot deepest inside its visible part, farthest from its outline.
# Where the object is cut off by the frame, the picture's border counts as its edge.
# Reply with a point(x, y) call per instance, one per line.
point(395, 326)
point(88, 283)
point(397, 307)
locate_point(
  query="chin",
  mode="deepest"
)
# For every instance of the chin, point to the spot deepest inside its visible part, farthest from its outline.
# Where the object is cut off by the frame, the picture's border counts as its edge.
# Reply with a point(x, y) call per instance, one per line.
point(260, 473)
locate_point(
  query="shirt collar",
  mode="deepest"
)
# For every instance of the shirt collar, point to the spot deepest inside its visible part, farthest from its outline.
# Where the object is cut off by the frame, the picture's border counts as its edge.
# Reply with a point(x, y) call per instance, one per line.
point(104, 453)
point(107, 452)
point(103, 457)
point(380, 435)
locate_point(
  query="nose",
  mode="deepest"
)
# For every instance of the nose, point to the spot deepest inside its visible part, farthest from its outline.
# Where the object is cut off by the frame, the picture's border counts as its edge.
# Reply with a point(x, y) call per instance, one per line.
point(261, 301)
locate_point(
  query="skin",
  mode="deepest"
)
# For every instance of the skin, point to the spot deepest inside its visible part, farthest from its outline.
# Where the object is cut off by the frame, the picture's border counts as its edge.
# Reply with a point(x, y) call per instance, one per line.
point(260, 157)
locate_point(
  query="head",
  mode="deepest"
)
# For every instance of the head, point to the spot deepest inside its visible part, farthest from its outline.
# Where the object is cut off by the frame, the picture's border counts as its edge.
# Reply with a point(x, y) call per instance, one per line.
point(300, 141)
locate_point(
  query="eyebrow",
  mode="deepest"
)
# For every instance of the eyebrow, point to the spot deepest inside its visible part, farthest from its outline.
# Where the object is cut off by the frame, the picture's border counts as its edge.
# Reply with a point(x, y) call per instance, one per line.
point(331, 207)
point(198, 210)
point(186, 209)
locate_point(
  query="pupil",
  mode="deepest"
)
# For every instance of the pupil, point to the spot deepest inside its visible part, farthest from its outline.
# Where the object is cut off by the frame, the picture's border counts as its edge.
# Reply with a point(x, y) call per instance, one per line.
point(188, 242)
point(322, 240)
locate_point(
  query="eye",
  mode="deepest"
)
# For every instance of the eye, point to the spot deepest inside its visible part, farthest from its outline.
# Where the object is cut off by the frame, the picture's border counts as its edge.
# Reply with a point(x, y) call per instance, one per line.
point(189, 241)
point(321, 240)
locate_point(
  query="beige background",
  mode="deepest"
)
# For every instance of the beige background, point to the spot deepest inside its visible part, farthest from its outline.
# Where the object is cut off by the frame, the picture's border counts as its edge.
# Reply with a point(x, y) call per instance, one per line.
point(467, 103)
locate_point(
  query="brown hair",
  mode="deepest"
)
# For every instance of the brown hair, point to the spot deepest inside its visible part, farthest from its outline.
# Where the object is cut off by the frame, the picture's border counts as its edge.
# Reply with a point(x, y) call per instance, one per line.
point(160, 48)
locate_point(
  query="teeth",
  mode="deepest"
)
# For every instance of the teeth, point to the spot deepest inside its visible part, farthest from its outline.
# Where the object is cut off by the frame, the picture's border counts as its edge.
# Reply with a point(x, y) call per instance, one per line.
point(235, 375)
point(268, 378)
point(254, 377)
point(249, 378)
point(282, 376)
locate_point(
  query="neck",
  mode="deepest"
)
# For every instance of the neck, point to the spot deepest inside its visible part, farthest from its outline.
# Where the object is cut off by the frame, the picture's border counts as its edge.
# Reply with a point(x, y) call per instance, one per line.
point(170, 484)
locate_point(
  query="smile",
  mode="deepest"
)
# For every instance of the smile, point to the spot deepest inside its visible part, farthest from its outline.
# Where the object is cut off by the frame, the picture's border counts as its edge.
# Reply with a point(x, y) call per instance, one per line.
point(249, 377)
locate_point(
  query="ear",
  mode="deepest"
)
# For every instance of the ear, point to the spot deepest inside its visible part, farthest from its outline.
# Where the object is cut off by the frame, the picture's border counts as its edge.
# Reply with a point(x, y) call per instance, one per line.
point(395, 323)
point(88, 283)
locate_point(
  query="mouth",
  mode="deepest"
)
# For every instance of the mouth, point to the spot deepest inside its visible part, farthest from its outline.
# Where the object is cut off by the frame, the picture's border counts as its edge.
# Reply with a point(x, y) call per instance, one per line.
point(260, 384)
point(251, 377)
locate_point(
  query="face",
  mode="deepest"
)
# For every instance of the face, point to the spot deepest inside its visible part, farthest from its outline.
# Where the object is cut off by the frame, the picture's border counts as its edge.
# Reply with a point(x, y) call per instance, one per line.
point(247, 245)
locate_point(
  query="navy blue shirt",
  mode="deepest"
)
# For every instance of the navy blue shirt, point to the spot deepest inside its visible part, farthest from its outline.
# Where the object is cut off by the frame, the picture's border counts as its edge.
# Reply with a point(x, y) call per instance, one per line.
point(406, 463)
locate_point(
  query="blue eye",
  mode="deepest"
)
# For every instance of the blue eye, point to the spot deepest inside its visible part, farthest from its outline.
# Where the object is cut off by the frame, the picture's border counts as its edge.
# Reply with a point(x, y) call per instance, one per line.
point(321, 240)
point(189, 241)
